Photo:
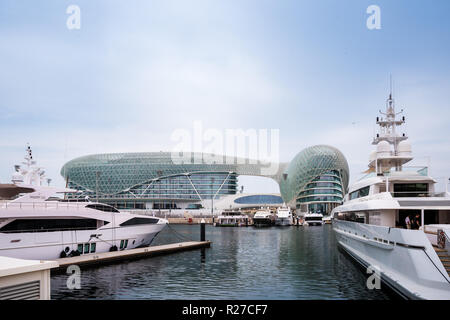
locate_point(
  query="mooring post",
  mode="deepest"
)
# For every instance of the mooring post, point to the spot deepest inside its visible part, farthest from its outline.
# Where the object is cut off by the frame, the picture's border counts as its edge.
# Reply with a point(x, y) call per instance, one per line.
point(202, 230)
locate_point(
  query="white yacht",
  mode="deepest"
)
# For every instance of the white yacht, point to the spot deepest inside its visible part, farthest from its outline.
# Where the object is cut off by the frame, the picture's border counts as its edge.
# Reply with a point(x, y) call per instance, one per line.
point(34, 225)
point(263, 218)
point(313, 219)
point(231, 218)
point(283, 216)
point(394, 221)
point(327, 220)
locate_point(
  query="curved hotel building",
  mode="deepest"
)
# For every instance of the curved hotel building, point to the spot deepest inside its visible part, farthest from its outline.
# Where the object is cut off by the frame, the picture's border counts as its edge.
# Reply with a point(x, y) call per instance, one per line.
point(315, 180)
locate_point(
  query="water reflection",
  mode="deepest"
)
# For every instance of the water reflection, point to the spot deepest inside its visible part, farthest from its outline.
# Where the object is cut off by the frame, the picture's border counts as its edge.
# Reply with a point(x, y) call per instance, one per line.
point(242, 263)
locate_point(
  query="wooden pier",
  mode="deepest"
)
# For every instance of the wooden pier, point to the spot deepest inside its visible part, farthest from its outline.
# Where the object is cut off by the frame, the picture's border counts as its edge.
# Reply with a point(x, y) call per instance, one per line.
point(115, 256)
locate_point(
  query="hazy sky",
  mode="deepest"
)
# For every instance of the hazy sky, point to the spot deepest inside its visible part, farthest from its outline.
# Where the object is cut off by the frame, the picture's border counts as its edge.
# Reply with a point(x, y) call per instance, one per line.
point(138, 70)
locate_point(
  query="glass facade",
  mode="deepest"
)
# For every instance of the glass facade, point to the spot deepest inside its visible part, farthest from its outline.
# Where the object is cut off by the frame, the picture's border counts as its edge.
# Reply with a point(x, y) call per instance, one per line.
point(321, 199)
point(155, 180)
point(259, 199)
point(316, 179)
point(152, 180)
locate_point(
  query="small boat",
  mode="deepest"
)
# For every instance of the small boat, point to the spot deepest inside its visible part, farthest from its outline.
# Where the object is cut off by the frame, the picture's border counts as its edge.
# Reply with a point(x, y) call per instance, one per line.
point(263, 218)
point(283, 217)
point(313, 219)
point(231, 218)
point(327, 220)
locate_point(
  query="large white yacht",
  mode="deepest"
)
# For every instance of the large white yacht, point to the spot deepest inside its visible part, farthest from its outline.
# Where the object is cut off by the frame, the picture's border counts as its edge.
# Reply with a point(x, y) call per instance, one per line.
point(35, 225)
point(393, 219)
point(283, 216)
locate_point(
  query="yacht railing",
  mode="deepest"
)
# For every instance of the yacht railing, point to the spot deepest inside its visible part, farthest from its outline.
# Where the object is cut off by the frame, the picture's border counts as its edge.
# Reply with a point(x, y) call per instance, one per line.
point(416, 194)
point(422, 170)
point(48, 205)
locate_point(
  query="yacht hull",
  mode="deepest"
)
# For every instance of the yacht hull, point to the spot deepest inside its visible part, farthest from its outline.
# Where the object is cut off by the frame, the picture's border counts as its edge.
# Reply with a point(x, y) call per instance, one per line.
point(283, 222)
point(405, 259)
point(50, 245)
point(262, 223)
point(314, 223)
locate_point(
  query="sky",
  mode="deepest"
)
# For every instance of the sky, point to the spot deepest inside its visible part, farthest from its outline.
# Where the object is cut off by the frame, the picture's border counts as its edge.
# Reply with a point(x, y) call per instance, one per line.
point(137, 71)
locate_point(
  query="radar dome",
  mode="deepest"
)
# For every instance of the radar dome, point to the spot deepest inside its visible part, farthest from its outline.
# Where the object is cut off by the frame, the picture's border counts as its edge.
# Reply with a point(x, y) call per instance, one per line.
point(404, 149)
point(17, 177)
point(383, 149)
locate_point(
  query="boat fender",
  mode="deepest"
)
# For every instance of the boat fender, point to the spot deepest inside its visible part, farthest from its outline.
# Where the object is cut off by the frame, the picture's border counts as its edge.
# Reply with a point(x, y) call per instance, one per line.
point(74, 253)
point(113, 248)
point(63, 254)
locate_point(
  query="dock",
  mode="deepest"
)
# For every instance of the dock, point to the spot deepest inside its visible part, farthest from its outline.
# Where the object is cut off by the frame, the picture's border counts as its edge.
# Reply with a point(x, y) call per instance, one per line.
point(190, 221)
point(115, 256)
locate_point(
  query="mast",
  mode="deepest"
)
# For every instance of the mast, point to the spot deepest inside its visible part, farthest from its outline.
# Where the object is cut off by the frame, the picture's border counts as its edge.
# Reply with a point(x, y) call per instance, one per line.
point(30, 173)
point(392, 149)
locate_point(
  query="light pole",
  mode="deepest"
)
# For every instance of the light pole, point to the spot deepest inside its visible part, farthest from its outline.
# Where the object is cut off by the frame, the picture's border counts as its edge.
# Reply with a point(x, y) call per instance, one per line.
point(212, 197)
point(97, 175)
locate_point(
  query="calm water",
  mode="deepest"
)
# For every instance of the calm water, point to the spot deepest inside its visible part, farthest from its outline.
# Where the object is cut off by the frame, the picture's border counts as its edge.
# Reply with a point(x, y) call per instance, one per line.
point(243, 263)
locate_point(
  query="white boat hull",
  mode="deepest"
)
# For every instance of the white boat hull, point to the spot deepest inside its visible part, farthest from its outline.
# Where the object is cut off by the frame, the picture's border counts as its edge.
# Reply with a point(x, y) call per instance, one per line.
point(405, 258)
point(49, 245)
point(283, 222)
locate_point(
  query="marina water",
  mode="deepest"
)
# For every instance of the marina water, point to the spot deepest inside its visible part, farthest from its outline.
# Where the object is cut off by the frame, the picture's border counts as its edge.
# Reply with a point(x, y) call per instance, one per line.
point(242, 263)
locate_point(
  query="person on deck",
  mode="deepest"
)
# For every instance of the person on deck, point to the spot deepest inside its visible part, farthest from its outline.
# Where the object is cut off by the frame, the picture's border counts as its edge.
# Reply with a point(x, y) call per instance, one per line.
point(408, 222)
point(417, 222)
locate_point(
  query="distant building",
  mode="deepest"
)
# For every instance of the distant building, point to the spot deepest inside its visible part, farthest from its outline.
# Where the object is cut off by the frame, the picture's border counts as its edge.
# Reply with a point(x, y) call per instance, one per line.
point(315, 179)
point(249, 201)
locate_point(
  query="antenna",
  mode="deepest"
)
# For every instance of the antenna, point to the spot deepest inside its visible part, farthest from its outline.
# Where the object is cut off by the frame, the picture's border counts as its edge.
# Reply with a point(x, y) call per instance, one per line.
point(390, 85)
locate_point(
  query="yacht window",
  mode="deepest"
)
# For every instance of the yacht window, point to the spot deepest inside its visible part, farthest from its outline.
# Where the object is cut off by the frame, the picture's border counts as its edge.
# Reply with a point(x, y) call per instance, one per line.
point(93, 247)
point(102, 207)
point(137, 221)
point(313, 218)
point(80, 248)
point(363, 192)
point(86, 247)
point(121, 244)
point(410, 189)
point(352, 216)
point(43, 225)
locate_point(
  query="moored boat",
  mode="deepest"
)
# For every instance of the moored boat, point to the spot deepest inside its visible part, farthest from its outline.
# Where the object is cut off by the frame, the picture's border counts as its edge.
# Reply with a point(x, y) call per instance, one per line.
point(263, 218)
point(231, 218)
point(283, 217)
point(393, 220)
point(38, 226)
